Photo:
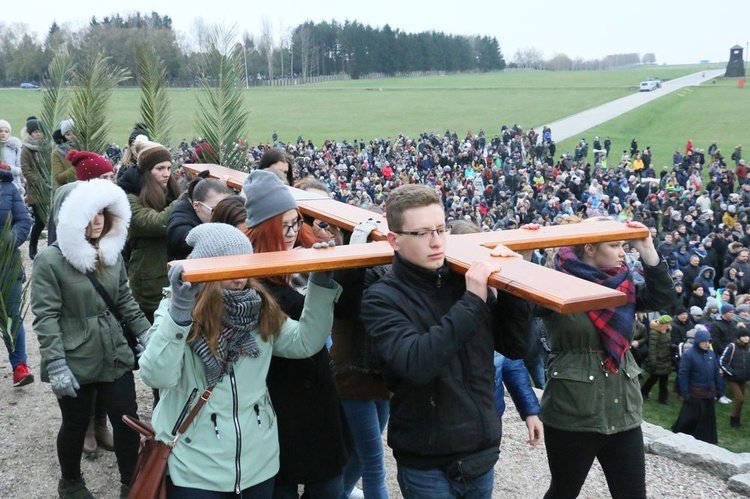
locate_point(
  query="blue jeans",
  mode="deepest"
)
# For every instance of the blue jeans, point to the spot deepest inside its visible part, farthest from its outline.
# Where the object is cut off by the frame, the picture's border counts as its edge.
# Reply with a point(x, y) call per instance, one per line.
point(17, 353)
point(323, 489)
point(536, 370)
point(367, 420)
point(434, 484)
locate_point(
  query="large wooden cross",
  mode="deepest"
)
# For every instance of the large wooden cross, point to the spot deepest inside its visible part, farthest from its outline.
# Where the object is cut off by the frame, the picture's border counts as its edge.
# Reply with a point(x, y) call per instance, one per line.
point(547, 287)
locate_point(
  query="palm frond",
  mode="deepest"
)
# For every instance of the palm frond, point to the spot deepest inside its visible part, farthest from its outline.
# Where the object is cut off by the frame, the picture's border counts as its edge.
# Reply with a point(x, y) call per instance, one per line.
point(54, 107)
point(222, 116)
point(155, 111)
point(94, 83)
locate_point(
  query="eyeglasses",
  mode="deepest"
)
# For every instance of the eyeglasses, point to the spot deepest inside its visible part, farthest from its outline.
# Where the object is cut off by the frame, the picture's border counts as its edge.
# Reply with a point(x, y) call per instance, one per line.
point(425, 234)
point(210, 210)
point(294, 227)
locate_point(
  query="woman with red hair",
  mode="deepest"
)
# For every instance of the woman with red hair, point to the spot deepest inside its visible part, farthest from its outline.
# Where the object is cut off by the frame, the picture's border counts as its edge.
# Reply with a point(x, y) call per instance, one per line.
point(312, 435)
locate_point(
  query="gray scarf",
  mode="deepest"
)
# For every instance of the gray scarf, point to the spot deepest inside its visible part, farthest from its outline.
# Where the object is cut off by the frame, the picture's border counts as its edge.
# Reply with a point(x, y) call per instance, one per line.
point(241, 314)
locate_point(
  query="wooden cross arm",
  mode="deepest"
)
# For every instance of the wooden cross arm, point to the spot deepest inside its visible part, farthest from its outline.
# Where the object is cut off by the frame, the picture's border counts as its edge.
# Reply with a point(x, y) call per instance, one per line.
point(555, 236)
point(286, 262)
point(311, 204)
point(549, 288)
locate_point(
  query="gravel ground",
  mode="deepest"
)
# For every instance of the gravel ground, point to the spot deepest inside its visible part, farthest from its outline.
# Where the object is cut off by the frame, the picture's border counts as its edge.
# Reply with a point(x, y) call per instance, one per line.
point(30, 418)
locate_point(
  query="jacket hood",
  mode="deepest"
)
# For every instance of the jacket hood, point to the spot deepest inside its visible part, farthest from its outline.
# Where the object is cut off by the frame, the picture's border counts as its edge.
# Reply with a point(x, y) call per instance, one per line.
point(131, 181)
point(705, 268)
point(13, 143)
point(78, 209)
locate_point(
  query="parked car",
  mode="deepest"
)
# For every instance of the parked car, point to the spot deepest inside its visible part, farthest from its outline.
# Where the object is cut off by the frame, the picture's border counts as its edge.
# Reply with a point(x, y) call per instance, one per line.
point(28, 85)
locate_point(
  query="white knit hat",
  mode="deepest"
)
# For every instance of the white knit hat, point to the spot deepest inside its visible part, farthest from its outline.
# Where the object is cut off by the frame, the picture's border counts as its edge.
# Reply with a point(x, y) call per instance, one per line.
point(215, 239)
point(66, 126)
point(5, 124)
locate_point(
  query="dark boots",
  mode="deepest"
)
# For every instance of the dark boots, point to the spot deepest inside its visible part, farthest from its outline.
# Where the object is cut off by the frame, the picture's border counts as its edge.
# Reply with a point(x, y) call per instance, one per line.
point(734, 422)
point(73, 489)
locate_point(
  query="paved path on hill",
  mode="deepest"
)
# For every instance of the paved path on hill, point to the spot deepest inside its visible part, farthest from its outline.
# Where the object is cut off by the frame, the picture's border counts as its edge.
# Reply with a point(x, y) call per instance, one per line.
point(575, 124)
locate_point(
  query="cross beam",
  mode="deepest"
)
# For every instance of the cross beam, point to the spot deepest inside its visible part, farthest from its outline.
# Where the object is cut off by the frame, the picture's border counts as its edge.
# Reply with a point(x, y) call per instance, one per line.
point(547, 287)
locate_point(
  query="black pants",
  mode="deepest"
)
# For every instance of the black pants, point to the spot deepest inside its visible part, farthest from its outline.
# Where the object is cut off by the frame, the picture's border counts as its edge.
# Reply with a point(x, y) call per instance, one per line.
point(663, 380)
point(36, 230)
point(571, 453)
point(118, 398)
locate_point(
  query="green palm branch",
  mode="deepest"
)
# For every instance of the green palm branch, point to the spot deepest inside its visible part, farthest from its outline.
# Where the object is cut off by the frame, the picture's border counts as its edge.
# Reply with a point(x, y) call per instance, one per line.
point(54, 107)
point(95, 83)
point(222, 116)
point(155, 111)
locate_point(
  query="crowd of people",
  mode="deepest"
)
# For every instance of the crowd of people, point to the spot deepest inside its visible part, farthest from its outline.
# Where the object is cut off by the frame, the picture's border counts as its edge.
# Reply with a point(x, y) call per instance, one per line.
point(304, 372)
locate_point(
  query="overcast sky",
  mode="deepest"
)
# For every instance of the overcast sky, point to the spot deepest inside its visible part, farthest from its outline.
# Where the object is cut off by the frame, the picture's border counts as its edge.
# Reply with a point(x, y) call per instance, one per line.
point(677, 32)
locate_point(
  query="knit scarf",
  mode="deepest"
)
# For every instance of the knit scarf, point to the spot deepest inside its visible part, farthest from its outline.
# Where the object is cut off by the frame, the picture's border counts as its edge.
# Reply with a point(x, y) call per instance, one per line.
point(615, 325)
point(241, 314)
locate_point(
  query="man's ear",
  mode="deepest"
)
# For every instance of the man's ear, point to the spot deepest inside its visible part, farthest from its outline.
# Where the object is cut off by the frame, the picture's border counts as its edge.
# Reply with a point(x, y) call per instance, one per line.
point(393, 241)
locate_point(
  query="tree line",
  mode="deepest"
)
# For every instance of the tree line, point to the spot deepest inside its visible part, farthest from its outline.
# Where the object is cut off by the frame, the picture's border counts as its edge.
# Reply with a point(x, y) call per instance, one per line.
point(309, 49)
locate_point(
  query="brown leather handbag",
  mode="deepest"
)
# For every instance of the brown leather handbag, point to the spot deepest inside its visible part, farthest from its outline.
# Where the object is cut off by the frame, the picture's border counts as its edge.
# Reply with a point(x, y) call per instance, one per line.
point(149, 476)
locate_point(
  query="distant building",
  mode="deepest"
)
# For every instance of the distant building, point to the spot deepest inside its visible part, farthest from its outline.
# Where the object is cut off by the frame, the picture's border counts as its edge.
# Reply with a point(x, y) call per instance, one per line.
point(736, 64)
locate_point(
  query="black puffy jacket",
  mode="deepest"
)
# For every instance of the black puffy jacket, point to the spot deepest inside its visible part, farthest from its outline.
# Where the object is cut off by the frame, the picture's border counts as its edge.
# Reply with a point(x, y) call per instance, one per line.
point(437, 340)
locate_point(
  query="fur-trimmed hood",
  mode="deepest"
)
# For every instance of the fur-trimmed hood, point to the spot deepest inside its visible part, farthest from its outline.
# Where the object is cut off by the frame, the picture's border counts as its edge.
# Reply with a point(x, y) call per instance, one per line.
point(78, 209)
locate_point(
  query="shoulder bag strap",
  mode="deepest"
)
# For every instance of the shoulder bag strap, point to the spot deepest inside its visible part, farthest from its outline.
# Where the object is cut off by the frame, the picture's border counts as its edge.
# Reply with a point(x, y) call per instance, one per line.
point(198, 406)
point(105, 296)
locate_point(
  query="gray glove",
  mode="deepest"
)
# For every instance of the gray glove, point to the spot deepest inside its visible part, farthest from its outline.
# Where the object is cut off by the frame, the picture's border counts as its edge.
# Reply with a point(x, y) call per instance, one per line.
point(183, 297)
point(323, 278)
point(362, 231)
point(61, 379)
point(141, 345)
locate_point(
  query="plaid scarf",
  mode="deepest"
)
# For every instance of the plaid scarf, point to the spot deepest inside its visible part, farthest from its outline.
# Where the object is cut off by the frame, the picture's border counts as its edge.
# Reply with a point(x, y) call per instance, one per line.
point(241, 313)
point(615, 325)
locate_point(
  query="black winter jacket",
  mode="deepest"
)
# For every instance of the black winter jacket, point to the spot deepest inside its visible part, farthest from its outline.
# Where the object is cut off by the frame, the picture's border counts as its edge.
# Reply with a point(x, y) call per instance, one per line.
point(181, 221)
point(436, 341)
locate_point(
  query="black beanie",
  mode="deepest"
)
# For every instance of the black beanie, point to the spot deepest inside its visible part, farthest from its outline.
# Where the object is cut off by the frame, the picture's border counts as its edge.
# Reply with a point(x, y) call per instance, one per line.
point(33, 125)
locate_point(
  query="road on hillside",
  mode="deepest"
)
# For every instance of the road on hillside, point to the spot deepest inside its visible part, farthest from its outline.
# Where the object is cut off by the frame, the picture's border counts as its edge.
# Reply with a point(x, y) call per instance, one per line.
point(575, 124)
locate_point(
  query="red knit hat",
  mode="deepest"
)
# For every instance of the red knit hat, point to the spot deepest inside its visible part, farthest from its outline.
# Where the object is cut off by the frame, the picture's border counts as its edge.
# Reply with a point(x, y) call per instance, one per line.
point(89, 164)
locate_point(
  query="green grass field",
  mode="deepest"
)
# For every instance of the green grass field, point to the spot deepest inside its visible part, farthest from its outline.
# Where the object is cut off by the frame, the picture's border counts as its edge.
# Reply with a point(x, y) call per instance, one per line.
point(367, 109)
point(713, 111)
point(665, 415)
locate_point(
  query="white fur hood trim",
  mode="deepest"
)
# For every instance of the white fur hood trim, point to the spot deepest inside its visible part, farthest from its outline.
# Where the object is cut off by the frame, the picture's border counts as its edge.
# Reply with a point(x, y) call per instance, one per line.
point(78, 209)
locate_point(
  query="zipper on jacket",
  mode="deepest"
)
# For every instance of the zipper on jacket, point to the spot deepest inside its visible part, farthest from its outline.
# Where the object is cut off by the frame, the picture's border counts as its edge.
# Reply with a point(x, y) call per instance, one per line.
point(238, 445)
point(439, 280)
point(257, 414)
point(216, 427)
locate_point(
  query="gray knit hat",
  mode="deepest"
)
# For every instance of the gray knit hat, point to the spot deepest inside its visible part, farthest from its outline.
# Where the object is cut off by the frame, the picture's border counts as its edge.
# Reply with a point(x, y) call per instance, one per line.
point(214, 239)
point(267, 196)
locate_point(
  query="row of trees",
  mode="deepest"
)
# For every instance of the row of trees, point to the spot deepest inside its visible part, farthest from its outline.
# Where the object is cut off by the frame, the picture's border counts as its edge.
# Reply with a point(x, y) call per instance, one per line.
point(310, 49)
point(532, 58)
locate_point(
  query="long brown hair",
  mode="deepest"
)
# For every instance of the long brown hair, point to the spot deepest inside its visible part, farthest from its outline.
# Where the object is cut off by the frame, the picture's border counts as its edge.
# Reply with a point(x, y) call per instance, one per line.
point(268, 237)
point(109, 221)
point(209, 310)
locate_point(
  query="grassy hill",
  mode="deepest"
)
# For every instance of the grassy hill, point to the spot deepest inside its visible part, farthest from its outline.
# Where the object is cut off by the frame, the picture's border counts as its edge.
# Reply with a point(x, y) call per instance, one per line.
point(367, 109)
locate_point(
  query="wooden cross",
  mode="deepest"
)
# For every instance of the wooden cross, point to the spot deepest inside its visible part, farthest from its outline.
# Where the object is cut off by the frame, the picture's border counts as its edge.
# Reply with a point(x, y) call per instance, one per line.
point(547, 287)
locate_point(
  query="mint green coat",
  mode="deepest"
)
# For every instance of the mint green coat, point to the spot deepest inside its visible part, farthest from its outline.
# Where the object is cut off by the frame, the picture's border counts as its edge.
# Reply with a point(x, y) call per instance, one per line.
point(246, 451)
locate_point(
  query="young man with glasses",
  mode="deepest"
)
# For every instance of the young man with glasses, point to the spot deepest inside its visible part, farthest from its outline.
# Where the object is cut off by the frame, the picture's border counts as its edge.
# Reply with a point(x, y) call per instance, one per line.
point(436, 331)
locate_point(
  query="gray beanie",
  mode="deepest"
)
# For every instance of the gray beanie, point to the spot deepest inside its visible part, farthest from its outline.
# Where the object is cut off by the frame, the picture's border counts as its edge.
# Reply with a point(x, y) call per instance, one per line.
point(214, 239)
point(267, 196)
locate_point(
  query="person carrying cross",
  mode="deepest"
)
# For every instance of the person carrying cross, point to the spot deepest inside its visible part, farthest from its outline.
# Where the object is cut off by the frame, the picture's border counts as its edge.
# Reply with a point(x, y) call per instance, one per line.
point(436, 332)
